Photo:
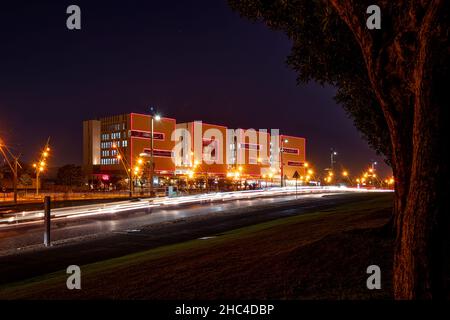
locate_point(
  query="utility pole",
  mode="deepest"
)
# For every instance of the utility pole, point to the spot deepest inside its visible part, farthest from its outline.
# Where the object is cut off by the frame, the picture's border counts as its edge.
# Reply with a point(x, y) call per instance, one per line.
point(14, 168)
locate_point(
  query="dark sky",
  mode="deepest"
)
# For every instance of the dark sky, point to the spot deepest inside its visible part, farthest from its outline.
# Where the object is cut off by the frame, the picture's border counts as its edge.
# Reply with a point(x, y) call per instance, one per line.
point(195, 60)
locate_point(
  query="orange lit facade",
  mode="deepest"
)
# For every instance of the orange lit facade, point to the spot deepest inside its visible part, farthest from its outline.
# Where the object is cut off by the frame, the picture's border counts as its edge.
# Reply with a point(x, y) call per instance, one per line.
point(117, 144)
point(121, 145)
point(250, 153)
point(292, 156)
point(140, 142)
point(204, 149)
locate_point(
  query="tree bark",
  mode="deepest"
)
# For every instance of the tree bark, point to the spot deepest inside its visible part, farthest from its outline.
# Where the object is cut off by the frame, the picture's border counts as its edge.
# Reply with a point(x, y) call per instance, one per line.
point(421, 252)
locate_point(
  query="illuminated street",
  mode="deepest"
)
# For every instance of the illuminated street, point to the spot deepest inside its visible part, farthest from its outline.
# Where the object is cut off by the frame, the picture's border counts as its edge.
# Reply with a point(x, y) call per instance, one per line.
point(17, 231)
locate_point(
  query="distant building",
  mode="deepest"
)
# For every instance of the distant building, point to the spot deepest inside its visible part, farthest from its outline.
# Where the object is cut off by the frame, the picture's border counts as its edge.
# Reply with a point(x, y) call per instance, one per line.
point(121, 146)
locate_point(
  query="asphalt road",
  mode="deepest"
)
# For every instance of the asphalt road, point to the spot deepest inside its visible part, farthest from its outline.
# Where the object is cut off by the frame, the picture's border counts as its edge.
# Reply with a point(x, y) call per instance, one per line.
point(22, 236)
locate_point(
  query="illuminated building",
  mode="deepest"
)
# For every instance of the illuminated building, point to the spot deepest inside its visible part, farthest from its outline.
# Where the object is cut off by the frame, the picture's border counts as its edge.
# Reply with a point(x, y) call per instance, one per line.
point(187, 149)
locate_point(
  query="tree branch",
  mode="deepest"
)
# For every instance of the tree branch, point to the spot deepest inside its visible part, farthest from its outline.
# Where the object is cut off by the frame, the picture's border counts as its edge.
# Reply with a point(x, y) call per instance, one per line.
point(347, 12)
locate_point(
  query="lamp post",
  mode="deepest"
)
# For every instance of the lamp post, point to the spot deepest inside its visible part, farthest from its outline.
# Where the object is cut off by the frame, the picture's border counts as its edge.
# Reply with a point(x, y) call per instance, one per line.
point(374, 163)
point(283, 141)
point(346, 175)
point(333, 154)
point(154, 116)
point(41, 164)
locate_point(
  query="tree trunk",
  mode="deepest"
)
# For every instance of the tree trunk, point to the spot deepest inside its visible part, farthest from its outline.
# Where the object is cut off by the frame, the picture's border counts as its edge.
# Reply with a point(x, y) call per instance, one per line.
point(421, 253)
point(421, 257)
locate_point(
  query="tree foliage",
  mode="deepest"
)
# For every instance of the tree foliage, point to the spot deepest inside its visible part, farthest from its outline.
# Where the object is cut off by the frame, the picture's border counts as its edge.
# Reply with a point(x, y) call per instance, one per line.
point(325, 51)
point(70, 175)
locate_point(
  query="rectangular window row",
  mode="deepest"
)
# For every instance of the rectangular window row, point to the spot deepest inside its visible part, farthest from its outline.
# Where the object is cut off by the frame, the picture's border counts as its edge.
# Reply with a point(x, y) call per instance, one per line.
point(109, 161)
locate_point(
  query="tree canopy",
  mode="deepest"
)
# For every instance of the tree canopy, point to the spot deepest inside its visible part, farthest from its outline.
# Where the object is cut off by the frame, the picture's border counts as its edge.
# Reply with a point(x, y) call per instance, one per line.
point(324, 50)
point(70, 175)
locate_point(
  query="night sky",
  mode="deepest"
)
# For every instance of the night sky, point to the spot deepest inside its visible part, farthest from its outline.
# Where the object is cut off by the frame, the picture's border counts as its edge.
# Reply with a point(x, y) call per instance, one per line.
point(194, 60)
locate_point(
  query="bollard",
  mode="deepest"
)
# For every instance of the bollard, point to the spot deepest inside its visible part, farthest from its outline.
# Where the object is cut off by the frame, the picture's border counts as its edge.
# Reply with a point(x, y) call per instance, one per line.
point(47, 221)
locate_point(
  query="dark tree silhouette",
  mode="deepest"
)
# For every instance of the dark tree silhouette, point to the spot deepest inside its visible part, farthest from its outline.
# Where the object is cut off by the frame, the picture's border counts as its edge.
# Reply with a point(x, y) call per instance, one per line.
point(70, 175)
point(393, 84)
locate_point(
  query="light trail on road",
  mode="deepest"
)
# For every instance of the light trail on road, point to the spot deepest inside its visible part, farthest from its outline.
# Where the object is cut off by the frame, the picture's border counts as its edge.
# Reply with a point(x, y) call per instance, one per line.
point(112, 208)
point(134, 216)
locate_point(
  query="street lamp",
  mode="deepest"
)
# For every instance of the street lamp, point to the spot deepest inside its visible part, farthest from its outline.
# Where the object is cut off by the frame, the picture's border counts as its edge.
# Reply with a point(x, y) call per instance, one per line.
point(333, 154)
point(283, 141)
point(374, 163)
point(40, 165)
point(154, 116)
